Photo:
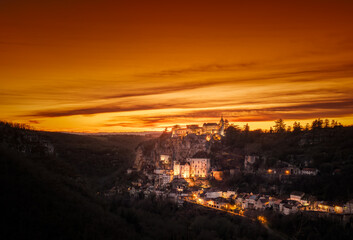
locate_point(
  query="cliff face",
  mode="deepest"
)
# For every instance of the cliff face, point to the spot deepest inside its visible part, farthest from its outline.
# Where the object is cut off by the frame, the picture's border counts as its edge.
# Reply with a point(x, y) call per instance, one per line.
point(148, 153)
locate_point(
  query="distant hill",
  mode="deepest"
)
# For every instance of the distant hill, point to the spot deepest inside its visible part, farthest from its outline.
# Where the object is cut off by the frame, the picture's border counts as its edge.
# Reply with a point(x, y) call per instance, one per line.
point(42, 197)
point(148, 133)
point(98, 159)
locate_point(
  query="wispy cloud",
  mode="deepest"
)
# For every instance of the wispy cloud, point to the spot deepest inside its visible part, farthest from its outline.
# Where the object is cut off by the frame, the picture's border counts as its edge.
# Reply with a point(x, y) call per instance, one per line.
point(300, 111)
point(281, 70)
point(201, 69)
point(292, 99)
point(97, 110)
point(34, 122)
point(289, 91)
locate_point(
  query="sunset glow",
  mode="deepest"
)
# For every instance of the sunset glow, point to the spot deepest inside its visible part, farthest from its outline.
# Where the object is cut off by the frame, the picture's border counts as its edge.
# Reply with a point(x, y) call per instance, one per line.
point(122, 66)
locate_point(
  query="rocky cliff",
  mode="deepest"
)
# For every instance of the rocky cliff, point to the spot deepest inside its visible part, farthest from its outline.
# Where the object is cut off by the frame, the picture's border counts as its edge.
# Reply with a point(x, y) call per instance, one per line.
point(148, 153)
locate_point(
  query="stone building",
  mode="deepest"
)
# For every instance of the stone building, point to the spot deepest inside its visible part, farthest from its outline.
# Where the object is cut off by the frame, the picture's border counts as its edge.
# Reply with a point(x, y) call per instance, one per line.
point(206, 129)
point(193, 167)
point(199, 166)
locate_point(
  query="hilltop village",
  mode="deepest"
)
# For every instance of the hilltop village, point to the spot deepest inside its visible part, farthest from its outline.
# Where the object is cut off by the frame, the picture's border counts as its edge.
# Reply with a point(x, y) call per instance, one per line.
point(184, 165)
point(242, 183)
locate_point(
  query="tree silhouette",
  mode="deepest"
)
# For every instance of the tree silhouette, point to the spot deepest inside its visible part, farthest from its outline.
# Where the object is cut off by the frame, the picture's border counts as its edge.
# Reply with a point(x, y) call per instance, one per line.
point(280, 126)
point(317, 124)
point(246, 128)
point(297, 127)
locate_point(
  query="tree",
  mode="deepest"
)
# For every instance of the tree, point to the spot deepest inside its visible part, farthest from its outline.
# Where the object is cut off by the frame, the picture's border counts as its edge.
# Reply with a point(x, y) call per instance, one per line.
point(232, 134)
point(334, 123)
point(280, 126)
point(327, 123)
point(246, 128)
point(289, 129)
point(317, 124)
point(297, 127)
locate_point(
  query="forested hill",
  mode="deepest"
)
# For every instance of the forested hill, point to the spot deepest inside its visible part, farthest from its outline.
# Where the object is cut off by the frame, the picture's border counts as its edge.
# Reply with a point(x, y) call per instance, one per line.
point(328, 149)
point(324, 148)
point(44, 195)
point(97, 160)
point(100, 159)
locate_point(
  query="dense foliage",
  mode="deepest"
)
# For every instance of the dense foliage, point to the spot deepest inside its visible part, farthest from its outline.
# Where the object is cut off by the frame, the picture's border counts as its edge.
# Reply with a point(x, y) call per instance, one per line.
point(327, 147)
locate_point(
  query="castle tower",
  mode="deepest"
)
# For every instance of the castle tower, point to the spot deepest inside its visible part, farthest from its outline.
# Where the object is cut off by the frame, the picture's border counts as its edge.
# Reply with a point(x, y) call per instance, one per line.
point(221, 126)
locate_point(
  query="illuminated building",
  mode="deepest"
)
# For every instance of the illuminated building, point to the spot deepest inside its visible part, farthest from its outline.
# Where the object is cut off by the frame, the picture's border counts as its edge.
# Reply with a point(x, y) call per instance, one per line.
point(176, 169)
point(210, 128)
point(164, 159)
point(216, 129)
point(262, 219)
point(218, 175)
point(194, 129)
point(296, 196)
point(193, 167)
point(199, 166)
point(181, 170)
point(310, 171)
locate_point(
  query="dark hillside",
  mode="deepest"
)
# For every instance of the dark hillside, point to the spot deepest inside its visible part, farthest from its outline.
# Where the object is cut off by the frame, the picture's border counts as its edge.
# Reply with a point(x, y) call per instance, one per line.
point(44, 197)
point(330, 150)
point(41, 200)
point(99, 159)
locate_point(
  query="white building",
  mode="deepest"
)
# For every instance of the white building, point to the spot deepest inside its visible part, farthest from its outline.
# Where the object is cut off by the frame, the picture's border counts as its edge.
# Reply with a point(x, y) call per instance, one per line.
point(262, 203)
point(229, 194)
point(213, 194)
point(310, 171)
point(194, 167)
point(159, 171)
point(296, 196)
point(199, 167)
point(181, 170)
point(289, 209)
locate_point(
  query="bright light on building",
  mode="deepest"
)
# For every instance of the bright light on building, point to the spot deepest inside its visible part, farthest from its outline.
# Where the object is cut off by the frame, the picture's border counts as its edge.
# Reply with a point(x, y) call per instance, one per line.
point(262, 219)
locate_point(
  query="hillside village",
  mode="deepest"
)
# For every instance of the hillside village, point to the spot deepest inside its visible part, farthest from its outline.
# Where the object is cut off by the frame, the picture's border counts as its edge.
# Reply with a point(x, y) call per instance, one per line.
point(177, 166)
point(179, 180)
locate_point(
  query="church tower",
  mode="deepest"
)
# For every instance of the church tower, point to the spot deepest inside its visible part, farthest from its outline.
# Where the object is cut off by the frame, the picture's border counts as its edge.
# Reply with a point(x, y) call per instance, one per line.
point(221, 126)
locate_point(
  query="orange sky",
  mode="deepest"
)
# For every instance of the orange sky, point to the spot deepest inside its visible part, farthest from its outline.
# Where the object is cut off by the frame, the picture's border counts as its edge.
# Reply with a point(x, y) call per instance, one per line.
point(105, 66)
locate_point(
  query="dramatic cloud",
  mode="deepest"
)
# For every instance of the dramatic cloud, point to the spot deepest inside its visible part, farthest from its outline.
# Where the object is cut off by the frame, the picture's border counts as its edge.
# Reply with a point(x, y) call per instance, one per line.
point(201, 69)
point(121, 66)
